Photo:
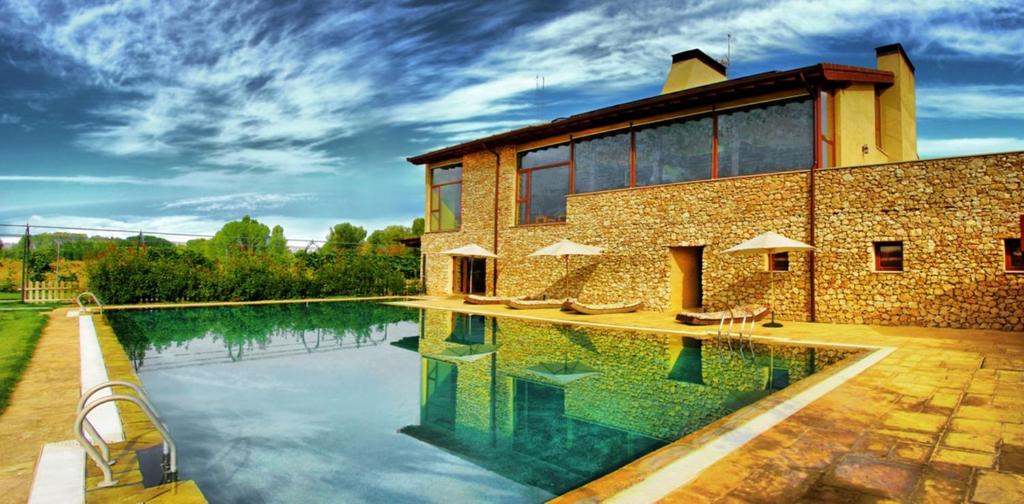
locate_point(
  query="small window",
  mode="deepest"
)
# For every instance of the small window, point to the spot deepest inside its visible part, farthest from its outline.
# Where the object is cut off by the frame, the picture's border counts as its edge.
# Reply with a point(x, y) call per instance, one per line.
point(889, 256)
point(1014, 255)
point(778, 262)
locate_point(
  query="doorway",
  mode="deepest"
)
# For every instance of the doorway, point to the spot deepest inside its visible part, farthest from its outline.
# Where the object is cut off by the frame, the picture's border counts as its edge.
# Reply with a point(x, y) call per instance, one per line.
point(470, 275)
point(686, 268)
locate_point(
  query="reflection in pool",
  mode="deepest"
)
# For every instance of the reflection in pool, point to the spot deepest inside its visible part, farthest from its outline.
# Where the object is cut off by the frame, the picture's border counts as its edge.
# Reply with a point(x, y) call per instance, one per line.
point(355, 401)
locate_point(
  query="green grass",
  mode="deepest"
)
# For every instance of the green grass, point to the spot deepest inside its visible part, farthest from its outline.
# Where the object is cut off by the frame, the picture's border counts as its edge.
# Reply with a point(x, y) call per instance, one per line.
point(4, 296)
point(19, 332)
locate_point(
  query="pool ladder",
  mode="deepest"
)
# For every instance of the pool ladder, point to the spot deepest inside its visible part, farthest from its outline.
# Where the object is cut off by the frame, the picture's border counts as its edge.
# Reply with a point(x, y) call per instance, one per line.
point(726, 332)
point(169, 465)
point(82, 308)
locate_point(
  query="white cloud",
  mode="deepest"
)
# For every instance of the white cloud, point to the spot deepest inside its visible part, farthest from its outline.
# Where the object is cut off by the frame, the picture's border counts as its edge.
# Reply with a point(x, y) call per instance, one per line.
point(971, 101)
point(6, 118)
point(943, 147)
point(288, 160)
point(247, 202)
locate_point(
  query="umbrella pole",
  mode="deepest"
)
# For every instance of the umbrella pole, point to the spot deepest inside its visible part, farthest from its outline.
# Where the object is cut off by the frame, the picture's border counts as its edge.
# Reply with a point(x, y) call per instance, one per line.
point(565, 288)
point(771, 272)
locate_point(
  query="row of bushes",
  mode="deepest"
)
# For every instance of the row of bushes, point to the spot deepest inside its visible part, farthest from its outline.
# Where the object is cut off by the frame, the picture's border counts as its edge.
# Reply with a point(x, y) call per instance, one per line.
point(126, 275)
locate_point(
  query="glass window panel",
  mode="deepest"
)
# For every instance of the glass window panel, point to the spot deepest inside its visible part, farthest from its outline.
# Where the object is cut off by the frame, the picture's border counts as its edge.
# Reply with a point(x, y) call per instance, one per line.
point(674, 152)
point(545, 156)
point(451, 206)
point(766, 139)
point(446, 174)
point(523, 180)
point(547, 194)
point(602, 163)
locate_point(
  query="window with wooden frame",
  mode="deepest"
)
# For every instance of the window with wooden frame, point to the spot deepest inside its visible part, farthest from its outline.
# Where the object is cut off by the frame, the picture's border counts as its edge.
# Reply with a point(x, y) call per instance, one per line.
point(888, 256)
point(446, 198)
point(778, 261)
point(766, 138)
point(544, 176)
point(1013, 255)
point(826, 117)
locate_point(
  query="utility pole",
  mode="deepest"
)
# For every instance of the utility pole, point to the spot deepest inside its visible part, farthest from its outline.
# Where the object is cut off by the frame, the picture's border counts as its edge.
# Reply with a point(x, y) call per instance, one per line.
point(24, 263)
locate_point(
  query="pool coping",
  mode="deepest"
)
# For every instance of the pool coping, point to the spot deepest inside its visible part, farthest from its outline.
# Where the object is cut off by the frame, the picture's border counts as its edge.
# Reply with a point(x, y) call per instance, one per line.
point(659, 473)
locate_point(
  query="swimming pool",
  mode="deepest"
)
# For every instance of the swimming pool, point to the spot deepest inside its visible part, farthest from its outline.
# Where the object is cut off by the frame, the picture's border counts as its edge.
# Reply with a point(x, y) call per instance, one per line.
point(359, 401)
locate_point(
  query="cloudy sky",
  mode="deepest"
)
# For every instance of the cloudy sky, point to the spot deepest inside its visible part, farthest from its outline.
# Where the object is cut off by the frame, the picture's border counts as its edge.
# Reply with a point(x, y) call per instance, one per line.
point(178, 116)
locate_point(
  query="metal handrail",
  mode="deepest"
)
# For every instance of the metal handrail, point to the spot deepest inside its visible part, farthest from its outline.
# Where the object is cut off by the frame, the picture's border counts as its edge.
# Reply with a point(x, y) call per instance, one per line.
point(93, 433)
point(108, 479)
point(103, 459)
point(78, 299)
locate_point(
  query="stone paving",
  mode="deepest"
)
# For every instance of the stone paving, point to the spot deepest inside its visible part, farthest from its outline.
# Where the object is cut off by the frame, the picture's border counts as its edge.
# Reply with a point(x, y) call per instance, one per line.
point(42, 406)
point(941, 419)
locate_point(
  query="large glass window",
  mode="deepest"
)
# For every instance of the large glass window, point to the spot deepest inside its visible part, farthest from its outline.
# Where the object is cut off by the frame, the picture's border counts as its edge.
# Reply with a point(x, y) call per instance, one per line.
point(543, 185)
point(766, 139)
point(674, 152)
point(446, 198)
point(601, 162)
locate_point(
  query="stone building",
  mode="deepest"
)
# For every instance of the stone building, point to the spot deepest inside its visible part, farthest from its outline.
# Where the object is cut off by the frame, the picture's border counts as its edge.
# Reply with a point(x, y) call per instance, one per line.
point(825, 154)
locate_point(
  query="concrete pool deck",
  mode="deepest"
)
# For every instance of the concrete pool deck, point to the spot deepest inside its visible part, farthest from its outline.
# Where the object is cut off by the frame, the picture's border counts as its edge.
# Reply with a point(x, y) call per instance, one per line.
point(940, 419)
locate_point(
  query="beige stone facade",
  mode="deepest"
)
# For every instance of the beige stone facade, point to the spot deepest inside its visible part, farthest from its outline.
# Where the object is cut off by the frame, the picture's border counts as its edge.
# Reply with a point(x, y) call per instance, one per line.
point(951, 214)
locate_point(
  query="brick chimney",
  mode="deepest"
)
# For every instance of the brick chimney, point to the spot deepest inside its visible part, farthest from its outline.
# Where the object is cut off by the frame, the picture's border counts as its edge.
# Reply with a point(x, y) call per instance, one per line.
point(898, 104)
point(692, 69)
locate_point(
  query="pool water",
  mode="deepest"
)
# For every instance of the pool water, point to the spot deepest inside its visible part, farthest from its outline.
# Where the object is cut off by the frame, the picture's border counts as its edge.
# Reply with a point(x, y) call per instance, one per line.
point(368, 402)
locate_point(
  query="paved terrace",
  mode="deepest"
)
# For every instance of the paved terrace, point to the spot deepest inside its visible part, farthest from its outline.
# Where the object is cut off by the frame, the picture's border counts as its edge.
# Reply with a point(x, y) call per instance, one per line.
point(941, 419)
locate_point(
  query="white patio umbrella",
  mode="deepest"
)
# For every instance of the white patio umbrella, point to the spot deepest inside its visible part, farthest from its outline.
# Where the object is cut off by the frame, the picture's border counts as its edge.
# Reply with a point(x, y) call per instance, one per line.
point(566, 248)
point(471, 250)
point(769, 243)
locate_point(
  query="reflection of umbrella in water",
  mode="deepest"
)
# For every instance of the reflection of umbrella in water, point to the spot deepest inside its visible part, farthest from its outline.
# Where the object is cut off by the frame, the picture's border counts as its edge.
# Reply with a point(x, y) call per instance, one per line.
point(563, 372)
point(469, 353)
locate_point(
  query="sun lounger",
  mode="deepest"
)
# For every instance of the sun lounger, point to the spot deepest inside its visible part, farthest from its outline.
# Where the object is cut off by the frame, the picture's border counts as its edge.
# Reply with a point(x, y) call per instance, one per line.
point(485, 300)
point(531, 304)
point(750, 312)
point(597, 309)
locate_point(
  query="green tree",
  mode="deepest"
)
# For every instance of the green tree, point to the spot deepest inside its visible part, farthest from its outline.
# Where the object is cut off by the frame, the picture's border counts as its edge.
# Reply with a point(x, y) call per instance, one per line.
point(242, 237)
point(278, 243)
point(385, 241)
point(418, 226)
point(198, 245)
point(344, 236)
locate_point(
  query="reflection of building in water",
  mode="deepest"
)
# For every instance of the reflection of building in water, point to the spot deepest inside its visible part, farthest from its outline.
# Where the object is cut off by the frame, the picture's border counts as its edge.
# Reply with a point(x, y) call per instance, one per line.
point(554, 405)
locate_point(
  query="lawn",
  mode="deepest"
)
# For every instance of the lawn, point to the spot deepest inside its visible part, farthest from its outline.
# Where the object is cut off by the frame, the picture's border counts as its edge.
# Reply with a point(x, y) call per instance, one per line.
point(19, 332)
point(4, 296)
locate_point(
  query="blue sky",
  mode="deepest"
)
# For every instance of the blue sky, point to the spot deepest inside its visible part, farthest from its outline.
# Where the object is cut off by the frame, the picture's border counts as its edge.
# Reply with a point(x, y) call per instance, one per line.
point(179, 116)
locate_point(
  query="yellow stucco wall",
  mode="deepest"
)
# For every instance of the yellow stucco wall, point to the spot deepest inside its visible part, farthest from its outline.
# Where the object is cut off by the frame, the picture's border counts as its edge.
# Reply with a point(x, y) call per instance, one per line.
point(899, 109)
point(690, 74)
point(855, 126)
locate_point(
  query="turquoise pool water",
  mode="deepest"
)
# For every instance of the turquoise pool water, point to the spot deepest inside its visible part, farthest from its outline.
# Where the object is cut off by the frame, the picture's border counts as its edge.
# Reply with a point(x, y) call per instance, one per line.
point(365, 402)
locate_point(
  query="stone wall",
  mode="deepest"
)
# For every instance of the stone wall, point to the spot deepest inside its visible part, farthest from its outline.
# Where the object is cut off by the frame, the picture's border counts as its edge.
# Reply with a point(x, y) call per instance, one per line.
point(952, 216)
point(951, 213)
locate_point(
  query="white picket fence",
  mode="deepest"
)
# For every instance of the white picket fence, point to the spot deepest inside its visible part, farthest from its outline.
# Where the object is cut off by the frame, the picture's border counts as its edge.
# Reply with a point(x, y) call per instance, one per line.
point(50, 292)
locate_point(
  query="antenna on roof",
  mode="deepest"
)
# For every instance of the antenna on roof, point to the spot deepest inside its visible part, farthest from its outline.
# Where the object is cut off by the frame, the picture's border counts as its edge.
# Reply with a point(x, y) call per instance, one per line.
point(728, 51)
